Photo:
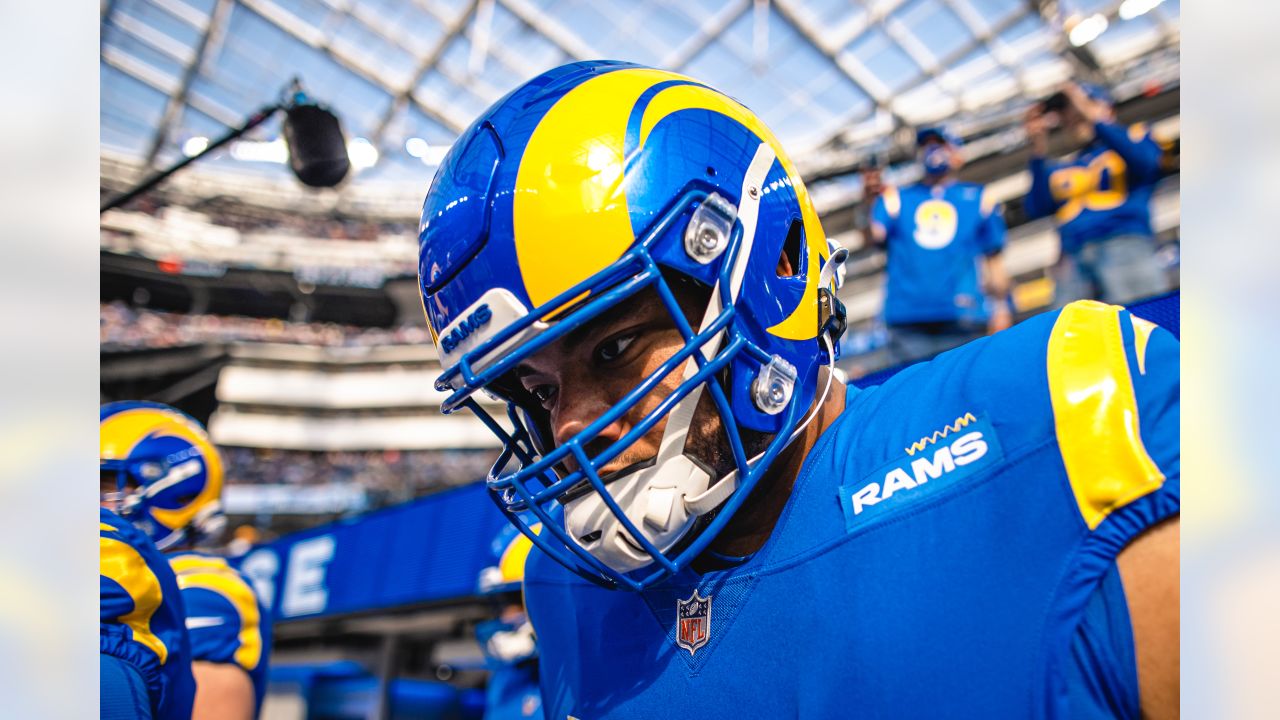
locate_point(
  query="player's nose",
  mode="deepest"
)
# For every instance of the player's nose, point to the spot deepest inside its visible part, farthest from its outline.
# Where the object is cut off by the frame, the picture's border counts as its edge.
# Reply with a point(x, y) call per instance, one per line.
point(578, 408)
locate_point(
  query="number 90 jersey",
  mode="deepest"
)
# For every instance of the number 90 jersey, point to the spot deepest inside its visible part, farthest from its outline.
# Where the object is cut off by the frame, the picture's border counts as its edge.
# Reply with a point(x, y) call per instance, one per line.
point(142, 617)
point(934, 237)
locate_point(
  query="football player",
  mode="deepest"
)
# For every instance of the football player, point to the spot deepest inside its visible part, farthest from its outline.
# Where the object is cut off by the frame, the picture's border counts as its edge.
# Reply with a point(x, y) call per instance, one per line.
point(1100, 196)
point(630, 260)
point(144, 648)
point(938, 234)
point(510, 649)
point(167, 475)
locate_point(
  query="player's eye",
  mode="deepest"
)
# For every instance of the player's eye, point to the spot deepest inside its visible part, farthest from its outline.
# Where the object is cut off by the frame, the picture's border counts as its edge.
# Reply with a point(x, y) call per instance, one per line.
point(614, 347)
point(544, 394)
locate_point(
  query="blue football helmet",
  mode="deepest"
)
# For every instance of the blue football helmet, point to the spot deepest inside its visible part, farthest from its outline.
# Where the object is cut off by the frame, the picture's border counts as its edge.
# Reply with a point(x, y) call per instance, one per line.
point(167, 473)
point(581, 188)
point(510, 550)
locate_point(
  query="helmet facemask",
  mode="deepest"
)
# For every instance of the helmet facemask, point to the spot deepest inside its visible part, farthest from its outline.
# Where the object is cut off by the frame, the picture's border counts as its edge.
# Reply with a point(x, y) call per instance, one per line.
point(643, 516)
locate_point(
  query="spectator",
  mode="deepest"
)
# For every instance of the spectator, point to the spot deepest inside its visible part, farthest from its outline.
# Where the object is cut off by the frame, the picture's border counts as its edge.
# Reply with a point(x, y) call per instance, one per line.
point(1100, 197)
point(122, 326)
point(391, 476)
point(938, 234)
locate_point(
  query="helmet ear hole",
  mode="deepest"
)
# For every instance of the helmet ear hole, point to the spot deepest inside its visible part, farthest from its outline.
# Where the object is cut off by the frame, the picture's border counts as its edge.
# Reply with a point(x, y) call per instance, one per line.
point(789, 258)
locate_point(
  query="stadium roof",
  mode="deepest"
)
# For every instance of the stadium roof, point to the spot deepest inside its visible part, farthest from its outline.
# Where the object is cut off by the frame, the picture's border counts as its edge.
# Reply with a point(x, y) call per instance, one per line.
point(406, 76)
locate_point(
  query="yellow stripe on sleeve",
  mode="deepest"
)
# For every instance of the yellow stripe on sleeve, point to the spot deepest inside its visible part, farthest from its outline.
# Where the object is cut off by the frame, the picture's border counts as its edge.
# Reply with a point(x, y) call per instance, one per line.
point(232, 587)
point(120, 562)
point(1142, 330)
point(1095, 412)
point(892, 201)
point(987, 202)
point(187, 563)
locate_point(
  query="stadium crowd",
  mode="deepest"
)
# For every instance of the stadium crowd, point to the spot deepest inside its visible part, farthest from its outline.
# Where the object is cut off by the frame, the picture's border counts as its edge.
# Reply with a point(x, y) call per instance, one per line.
point(278, 223)
point(122, 326)
point(389, 476)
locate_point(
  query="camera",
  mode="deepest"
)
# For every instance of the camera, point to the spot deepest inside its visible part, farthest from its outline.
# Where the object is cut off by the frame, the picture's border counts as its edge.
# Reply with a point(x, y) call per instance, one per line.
point(1056, 102)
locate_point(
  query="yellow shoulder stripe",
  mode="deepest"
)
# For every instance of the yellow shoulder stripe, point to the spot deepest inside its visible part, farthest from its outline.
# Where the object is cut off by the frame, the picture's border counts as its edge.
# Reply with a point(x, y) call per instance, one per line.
point(892, 201)
point(1095, 412)
point(186, 563)
point(511, 564)
point(240, 595)
point(987, 202)
point(1141, 336)
point(104, 527)
point(120, 562)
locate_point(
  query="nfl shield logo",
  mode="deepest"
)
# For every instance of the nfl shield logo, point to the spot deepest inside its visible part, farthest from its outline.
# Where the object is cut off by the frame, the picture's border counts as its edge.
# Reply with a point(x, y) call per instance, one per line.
point(693, 622)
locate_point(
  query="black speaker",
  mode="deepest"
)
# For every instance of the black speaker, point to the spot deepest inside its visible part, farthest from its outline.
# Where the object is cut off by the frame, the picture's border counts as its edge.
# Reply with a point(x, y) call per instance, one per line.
point(317, 149)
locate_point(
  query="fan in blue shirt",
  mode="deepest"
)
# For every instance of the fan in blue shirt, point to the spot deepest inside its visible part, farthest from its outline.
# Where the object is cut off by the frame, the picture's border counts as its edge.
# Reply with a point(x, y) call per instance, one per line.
point(1100, 197)
point(943, 238)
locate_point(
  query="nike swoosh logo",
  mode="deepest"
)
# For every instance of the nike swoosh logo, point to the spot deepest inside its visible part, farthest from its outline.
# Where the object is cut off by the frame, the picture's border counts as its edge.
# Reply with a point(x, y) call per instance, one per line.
point(195, 623)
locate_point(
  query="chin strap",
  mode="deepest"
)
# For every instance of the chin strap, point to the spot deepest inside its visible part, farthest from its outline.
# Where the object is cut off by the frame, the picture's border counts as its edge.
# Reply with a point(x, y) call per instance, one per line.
point(723, 488)
point(832, 269)
point(671, 461)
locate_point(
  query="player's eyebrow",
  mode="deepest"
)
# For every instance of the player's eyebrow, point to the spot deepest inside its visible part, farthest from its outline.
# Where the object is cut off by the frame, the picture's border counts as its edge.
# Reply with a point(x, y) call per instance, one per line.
point(577, 335)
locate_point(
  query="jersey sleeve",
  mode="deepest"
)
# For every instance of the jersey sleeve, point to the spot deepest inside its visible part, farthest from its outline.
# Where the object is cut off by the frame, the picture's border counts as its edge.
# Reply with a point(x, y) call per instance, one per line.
point(991, 226)
point(1114, 389)
point(1134, 144)
point(885, 209)
point(1039, 200)
point(224, 618)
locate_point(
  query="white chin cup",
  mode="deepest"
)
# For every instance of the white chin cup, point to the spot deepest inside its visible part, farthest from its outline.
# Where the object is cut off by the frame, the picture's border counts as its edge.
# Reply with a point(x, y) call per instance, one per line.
point(653, 499)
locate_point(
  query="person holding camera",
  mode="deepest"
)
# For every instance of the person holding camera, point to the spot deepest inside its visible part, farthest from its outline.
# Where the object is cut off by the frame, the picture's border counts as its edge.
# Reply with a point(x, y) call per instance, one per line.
point(1100, 197)
point(946, 283)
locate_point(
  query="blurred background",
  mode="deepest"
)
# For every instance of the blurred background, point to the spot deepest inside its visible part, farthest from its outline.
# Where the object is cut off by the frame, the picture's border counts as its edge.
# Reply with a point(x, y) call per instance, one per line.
point(287, 318)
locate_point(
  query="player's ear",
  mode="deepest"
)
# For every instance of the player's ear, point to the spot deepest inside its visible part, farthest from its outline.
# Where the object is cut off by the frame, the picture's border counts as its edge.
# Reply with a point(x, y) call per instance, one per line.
point(789, 258)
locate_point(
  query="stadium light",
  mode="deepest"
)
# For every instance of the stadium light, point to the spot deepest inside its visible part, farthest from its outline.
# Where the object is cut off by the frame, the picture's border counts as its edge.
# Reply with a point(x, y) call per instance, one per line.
point(195, 145)
point(1130, 9)
point(271, 151)
point(1088, 30)
point(417, 147)
point(362, 153)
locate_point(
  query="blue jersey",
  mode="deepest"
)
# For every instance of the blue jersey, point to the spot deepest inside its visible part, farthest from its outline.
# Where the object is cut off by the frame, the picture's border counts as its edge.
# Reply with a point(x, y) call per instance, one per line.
point(934, 237)
point(227, 622)
point(141, 616)
point(947, 542)
point(1103, 191)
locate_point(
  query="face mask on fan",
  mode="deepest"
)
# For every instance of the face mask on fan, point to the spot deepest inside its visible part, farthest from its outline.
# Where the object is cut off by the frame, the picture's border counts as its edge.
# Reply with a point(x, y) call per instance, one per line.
point(936, 160)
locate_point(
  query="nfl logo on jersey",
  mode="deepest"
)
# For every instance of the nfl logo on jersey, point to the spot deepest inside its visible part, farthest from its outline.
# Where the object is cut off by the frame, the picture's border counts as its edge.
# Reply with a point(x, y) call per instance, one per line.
point(693, 622)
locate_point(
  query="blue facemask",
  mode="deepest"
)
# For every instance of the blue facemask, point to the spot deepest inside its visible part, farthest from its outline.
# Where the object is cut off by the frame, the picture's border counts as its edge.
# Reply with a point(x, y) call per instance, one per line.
point(936, 160)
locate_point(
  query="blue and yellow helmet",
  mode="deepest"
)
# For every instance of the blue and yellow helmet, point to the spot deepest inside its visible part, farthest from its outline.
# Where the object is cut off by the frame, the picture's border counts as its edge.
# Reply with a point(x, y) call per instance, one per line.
point(167, 473)
point(510, 551)
point(581, 188)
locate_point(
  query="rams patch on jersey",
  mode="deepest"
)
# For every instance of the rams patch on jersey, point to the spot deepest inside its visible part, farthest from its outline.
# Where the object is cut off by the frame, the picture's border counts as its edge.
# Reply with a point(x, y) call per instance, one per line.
point(927, 467)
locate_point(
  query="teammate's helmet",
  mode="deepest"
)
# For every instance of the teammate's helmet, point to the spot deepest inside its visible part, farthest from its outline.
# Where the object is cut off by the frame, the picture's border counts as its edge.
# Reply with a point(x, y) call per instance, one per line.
point(167, 473)
point(510, 550)
point(578, 190)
